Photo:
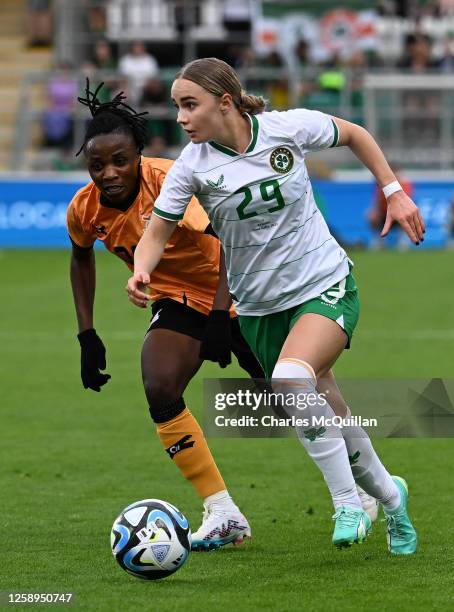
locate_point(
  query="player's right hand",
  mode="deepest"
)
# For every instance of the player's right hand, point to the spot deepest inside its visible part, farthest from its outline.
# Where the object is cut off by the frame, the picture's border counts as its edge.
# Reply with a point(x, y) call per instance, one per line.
point(92, 360)
point(137, 287)
point(402, 210)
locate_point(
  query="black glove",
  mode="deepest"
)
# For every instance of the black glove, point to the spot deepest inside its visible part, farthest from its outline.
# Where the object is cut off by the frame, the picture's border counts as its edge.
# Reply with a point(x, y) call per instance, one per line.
point(217, 338)
point(92, 360)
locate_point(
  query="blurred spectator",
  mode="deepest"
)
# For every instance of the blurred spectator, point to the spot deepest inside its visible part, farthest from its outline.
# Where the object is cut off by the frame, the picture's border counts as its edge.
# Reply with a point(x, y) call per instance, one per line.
point(102, 56)
point(233, 53)
point(154, 100)
point(328, 87)
point(39, 22)
point(417, 54)
point(154, 93)
point(377, 215)
point(307, 69)
point(138, 66)
point(95, 11)
point(332, 77)
point(277, 86)
point(420, 107)
point(446, 62)
point(273, 60)
point(102, 67)
point(246, 58)
point(246, 62)
point(58, 121)
point(302, 51)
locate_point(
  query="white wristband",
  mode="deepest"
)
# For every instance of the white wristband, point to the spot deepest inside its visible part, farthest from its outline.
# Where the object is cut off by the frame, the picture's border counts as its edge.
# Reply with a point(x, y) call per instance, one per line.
point(391, 188)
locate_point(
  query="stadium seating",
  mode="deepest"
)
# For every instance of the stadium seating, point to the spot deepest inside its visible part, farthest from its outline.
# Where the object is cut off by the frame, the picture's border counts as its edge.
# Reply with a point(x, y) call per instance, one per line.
point(16, 60)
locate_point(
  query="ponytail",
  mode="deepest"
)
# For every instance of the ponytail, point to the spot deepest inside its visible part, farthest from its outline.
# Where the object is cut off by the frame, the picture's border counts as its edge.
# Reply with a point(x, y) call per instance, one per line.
point(248, 103)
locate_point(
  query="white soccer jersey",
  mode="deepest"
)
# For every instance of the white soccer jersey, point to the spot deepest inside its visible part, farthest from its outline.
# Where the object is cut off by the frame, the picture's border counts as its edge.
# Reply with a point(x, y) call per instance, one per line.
point(279, 252)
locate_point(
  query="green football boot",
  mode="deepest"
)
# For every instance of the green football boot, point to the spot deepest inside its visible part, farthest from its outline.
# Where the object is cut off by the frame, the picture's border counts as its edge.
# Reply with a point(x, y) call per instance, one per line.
point(401, 536)
point(352, 525)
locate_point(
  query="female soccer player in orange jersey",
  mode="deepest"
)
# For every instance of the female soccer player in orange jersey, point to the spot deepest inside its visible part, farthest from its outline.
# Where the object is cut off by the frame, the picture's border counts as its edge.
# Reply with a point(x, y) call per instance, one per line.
point(115, 207)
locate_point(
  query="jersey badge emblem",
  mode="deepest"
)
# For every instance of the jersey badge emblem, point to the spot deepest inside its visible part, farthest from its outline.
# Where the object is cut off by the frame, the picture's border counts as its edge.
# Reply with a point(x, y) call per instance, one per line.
point(281, 160)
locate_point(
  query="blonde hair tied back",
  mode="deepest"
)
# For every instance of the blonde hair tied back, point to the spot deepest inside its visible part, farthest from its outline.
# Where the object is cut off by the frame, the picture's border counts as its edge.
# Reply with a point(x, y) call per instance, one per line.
point(218, 78)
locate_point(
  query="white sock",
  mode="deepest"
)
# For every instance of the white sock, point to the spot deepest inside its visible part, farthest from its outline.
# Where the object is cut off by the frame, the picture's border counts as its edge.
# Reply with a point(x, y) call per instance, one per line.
point(328, 450)
point(221, 501)
point(367, 469)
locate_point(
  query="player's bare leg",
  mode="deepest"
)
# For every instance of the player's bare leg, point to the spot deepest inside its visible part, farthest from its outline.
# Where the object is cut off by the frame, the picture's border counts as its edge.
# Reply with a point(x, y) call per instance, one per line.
point(169, 361)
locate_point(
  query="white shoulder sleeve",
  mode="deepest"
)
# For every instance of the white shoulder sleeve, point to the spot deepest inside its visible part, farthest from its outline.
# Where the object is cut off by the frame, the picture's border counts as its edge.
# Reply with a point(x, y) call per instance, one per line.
point(312, 130)
point(176, 192)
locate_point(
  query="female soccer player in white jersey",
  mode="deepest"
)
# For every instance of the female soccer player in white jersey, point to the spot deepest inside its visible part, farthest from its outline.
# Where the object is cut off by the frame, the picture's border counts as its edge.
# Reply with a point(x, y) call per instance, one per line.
point(290, 281)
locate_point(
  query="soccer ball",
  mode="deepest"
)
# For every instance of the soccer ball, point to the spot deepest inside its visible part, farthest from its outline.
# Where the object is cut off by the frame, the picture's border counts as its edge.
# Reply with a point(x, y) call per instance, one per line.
point(151, 539)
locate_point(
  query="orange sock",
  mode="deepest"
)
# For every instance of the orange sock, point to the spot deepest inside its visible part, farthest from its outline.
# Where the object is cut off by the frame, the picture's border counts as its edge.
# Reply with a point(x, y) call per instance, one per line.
point(184, 441)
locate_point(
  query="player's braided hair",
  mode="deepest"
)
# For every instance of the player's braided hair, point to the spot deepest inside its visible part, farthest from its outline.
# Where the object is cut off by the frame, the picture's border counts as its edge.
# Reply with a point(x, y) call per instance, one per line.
point(113, 116)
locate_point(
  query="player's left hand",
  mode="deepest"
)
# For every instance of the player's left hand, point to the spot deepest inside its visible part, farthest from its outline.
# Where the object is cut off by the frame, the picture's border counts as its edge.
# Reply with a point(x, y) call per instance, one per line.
point(402, 210)
point(217, 339)
point(92, 360)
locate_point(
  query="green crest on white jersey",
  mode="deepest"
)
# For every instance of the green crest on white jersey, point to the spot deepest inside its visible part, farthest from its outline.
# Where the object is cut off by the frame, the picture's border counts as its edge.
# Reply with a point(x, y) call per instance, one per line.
point(281, 160)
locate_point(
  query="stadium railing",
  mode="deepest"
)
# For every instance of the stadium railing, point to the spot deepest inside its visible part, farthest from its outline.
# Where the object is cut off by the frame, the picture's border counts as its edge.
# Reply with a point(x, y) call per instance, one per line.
point(281, 87)
point(410, 115)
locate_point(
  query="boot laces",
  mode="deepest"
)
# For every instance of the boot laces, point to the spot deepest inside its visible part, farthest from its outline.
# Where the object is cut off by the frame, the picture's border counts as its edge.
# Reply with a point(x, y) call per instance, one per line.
point(396, 528)
point(347, 518)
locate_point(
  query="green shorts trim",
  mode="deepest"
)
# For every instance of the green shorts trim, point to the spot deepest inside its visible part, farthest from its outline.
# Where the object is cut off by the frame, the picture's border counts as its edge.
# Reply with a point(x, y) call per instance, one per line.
point(266, 334)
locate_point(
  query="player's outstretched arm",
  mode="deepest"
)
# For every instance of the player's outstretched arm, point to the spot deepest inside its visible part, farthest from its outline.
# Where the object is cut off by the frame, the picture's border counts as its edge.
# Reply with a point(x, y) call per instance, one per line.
point(401, 208)
point(93, 352)
point(147, 256)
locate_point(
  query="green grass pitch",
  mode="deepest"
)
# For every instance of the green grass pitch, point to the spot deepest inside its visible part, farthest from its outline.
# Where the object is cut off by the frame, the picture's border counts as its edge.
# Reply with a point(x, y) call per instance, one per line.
point(72, 459)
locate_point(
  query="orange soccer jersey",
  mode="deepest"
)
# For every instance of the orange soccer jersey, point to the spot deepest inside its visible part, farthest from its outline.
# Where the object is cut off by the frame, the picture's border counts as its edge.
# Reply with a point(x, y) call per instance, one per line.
point(189, 269)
